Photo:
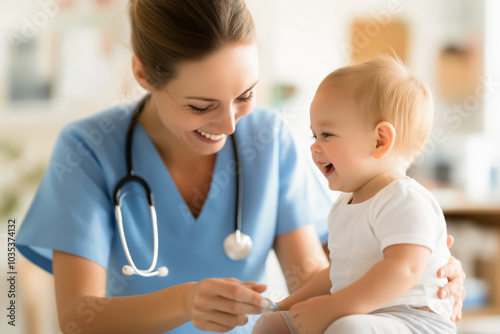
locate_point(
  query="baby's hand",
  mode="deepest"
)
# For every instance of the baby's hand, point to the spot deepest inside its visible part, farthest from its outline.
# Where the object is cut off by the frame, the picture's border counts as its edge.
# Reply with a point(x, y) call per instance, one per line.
point(312, 316)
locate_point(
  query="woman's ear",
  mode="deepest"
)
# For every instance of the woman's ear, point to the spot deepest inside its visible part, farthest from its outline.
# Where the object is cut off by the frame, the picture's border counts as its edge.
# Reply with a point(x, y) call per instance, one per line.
point(140, 73)
point(385, 135)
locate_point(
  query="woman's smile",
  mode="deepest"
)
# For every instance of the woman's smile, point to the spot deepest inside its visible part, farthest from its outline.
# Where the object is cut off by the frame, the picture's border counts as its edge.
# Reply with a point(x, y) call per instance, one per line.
point(208, 137)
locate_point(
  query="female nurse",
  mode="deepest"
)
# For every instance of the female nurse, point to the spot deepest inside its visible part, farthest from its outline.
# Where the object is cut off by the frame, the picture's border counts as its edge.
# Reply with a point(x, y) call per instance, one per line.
point(198, 60)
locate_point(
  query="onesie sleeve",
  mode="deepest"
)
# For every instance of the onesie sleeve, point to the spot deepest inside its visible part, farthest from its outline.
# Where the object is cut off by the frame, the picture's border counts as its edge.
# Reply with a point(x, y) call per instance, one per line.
point(406, 216)
point(302, 199)
point(71, 211)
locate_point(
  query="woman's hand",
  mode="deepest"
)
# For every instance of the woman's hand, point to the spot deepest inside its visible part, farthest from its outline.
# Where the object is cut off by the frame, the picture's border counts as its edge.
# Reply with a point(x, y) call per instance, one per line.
point(454, 273)
point(220, 304)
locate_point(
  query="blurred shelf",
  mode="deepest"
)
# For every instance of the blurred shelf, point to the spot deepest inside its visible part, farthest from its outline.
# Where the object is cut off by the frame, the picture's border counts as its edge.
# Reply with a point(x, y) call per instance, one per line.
point(458, 207)
point(456, 204)
point(488, 216)
point(483, 215)
point(485, 311)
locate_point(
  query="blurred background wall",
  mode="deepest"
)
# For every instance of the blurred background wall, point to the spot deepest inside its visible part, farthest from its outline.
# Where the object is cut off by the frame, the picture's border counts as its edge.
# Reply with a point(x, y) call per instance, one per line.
point(61, 60)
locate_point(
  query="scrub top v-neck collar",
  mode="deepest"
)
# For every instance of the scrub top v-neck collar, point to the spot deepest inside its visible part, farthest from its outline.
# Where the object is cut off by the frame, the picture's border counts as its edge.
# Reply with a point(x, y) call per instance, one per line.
point(146, 160)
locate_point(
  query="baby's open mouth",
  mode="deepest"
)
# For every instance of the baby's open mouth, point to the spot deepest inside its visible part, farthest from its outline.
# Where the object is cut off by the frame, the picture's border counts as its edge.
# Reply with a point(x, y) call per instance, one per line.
point(328, 168)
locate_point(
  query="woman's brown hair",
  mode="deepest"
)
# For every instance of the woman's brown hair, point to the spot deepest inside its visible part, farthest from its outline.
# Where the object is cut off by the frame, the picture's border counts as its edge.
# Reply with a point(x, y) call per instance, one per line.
point(165, 33)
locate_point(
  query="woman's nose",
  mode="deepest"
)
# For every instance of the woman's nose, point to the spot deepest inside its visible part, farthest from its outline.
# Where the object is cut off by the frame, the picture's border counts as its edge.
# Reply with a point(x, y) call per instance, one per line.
point(228, 120)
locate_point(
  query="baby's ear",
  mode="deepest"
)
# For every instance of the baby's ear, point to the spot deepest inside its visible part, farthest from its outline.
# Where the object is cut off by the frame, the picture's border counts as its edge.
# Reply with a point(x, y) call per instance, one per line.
point(385, 135)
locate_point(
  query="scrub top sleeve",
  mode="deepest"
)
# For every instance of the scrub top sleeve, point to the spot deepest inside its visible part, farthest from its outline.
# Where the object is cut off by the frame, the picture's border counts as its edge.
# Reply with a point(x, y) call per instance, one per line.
point(302, 199)
point(72, 211)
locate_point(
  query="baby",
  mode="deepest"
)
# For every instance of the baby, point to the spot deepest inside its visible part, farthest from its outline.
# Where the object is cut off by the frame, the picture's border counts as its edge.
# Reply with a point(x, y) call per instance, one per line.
point(387, 233)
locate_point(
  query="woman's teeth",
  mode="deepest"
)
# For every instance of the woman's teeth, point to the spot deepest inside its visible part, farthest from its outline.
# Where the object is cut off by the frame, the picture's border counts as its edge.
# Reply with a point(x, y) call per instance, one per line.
point(211, 136)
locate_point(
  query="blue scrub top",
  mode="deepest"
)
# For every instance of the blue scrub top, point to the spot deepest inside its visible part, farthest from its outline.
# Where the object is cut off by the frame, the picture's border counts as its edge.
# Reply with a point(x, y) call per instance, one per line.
point(73, 209)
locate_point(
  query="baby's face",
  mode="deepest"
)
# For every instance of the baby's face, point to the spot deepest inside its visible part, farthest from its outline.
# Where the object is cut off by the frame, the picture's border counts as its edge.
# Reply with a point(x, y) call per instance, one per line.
point(343, 144)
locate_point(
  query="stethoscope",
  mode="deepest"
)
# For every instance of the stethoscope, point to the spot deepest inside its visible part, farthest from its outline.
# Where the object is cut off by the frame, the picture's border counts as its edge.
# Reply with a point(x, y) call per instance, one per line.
point(237, 245)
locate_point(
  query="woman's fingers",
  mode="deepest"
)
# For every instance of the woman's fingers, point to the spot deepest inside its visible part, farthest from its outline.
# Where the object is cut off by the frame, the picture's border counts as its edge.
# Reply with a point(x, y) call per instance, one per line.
point(235, 307)
point(456, 314)
point(453, 272)
point(219, 322)
point(449, 241)
point(257, 287)
point(455, 286)
point(221, 304)
point(456, 276)
point(453, 269)
point(240, 298)
point(455, 289)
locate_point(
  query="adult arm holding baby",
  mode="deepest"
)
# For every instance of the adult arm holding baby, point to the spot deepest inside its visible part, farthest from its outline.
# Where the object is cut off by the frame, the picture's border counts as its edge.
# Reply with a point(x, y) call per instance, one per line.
point(387, 234)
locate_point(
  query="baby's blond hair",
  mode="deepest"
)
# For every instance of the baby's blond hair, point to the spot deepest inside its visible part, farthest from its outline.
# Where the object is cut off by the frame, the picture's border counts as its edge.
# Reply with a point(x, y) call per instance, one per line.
point(385, 90)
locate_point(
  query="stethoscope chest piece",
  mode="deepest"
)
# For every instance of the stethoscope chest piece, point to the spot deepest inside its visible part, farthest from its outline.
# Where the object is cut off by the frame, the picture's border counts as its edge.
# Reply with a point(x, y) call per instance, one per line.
point(237, 245)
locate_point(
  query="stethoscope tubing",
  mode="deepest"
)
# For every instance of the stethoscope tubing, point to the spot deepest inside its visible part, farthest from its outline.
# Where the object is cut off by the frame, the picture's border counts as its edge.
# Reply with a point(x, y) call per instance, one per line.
point(130, 177)
point(148, 272)
point(239, 184)
point(237, 245)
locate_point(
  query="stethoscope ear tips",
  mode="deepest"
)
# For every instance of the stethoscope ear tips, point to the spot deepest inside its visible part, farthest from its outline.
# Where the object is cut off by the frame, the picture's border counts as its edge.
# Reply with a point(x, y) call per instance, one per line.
point(128, 270)
point(162, 271)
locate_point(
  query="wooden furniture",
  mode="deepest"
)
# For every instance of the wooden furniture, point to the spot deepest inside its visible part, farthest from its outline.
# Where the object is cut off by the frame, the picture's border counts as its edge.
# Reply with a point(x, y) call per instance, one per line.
point(370, 37)
point(483, 215)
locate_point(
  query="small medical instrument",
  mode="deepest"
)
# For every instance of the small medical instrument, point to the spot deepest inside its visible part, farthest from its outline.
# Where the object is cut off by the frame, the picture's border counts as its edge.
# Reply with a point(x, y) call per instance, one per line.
point(271, 307)
point(237, 245)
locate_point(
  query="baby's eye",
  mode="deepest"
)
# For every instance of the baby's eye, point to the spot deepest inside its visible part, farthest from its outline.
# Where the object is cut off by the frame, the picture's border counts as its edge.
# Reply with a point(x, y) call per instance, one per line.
point(326, 135)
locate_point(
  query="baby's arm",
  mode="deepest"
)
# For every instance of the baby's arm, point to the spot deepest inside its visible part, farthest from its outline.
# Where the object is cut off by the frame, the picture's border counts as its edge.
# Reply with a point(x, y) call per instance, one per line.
point(274, 322)
point(400, 269)
point(319, 285)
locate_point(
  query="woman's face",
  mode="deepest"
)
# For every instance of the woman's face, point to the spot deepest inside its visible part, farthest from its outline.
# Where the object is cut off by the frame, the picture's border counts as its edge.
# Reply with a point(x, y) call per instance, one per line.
point(201, 105)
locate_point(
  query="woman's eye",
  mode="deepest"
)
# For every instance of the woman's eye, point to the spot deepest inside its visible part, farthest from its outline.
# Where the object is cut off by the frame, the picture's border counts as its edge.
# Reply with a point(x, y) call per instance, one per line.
point(246, 98)
point(198, 110)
